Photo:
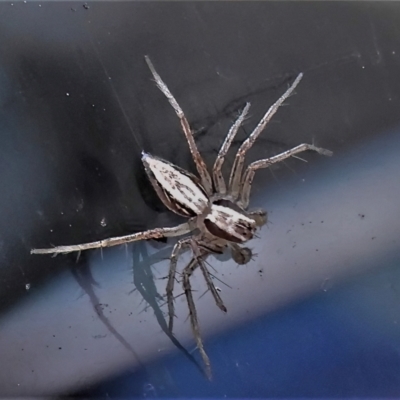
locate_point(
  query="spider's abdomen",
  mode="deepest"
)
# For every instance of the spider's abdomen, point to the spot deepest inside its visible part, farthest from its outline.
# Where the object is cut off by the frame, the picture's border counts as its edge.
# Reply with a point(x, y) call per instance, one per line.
point(177, 189)
point(228, 224)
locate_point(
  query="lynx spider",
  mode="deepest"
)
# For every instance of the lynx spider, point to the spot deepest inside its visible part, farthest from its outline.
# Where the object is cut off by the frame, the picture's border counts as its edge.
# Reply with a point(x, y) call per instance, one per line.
point(215, 210)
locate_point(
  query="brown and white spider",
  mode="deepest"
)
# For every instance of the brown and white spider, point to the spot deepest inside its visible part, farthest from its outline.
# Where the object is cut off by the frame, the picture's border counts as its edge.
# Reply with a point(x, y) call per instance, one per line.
point(217, 212)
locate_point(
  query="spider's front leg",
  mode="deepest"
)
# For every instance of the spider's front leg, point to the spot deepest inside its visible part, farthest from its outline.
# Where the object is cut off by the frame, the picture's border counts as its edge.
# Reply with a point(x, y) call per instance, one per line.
point(200, 256)
point(171, 279)
point(186, 274)
point(150, 234)
point(197, 261)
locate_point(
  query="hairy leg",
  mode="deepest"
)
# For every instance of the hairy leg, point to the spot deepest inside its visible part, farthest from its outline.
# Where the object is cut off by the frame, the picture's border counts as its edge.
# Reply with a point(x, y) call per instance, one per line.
point(248, 176)
point(236, 173)
point(198, 160)
point(200, 255)
point(219, 182)
point(187, 272)
point(171, 279)
point(150, 234)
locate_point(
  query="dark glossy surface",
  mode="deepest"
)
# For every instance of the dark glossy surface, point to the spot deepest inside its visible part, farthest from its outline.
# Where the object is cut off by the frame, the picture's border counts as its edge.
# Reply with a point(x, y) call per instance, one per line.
point(77, 107)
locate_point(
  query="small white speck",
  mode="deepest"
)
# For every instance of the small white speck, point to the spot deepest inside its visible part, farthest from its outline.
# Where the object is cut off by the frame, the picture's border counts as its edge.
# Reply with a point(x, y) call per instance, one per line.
point(393, 52)
point(93, 105)
point(24, 1)
point(62, 212)
point(363, 67)
point(51, 230)
point(103, 222)
point(27, 286)
point(12, 4)
point(67, 94)
point(326, 284)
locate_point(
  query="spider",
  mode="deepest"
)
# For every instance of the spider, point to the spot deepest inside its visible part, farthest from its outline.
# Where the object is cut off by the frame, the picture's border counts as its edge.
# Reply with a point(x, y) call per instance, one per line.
point(217, 212)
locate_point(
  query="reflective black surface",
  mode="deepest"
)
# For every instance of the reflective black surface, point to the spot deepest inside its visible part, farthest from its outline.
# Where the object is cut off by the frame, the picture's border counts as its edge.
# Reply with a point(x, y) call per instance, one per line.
point(77, 107)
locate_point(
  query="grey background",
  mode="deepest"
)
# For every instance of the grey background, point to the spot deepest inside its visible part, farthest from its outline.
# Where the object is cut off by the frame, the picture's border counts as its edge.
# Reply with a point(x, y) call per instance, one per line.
point(78, 106)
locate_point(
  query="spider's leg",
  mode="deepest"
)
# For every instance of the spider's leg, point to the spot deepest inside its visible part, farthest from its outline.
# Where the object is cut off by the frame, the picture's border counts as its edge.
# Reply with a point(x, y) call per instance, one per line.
point(150, 234)
point(187, 272)
point(236, 173)
point(171, 279)
point(253, 167)
point(218, 179)
point(198, 160)
point(211, 286)
point(206, 274)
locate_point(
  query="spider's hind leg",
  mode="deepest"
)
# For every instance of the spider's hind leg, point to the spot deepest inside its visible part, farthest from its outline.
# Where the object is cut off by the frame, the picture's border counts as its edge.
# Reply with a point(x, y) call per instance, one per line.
point(198, 160)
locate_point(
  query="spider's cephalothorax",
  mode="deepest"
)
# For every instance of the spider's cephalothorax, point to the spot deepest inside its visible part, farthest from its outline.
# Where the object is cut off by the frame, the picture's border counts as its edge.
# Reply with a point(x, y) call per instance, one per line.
point(217, 211)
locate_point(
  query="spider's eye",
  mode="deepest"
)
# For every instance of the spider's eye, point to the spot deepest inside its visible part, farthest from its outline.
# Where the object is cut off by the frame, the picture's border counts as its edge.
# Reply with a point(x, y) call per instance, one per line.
point(245, 229)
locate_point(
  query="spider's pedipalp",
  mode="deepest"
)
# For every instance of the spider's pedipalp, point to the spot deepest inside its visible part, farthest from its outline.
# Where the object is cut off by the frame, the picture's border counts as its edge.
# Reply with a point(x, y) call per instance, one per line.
point(201, 255)
point(237, 168)
point(260, 216)
point(241, 255)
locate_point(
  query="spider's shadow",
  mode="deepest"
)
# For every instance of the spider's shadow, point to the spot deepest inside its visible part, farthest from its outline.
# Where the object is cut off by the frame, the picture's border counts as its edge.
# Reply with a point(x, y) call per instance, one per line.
point(144, 282)
point(83, 276)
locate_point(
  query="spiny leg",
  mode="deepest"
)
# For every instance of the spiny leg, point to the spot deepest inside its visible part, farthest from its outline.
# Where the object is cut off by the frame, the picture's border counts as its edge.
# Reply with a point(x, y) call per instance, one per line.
point(206, 274)
point(236, 173)
point(253, 167)
point(198, 160)
point(150, 234)
point(219, 182)
point(171, 280)
point(187, 272)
